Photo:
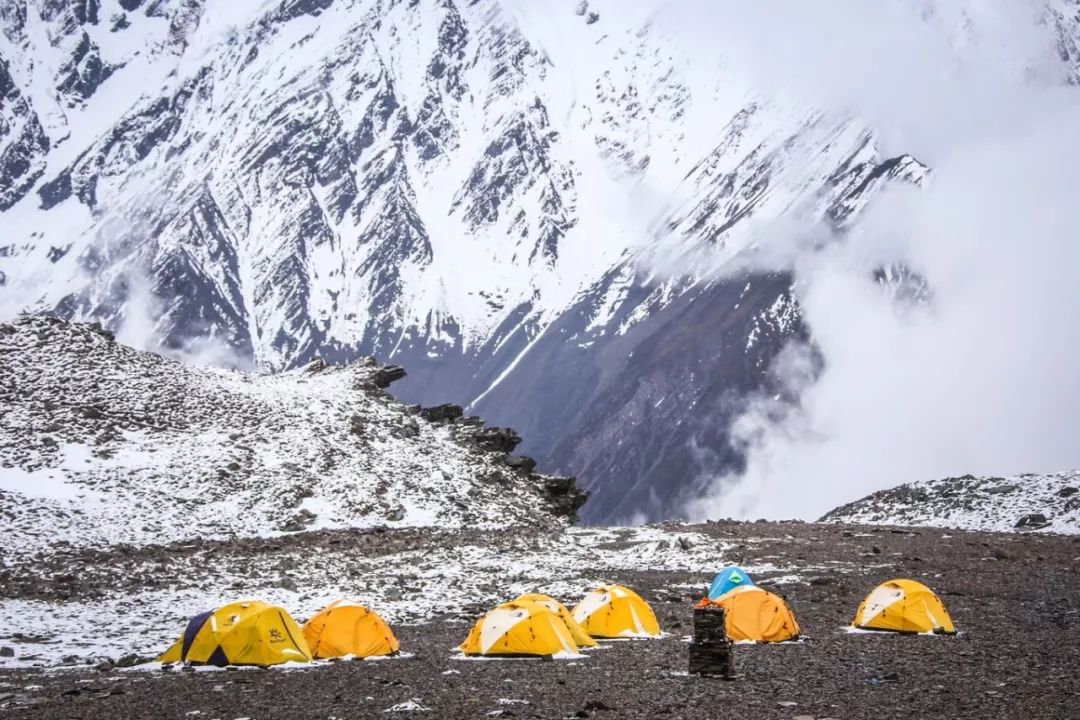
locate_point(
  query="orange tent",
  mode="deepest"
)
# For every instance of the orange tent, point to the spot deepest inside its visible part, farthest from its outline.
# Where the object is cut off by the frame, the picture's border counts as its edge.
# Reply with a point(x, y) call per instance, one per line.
point(345, 628)
point(755, 614)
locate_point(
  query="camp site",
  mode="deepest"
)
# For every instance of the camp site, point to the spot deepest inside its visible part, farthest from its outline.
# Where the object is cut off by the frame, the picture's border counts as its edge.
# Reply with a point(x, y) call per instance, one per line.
point(874, 616)
point(539, 359)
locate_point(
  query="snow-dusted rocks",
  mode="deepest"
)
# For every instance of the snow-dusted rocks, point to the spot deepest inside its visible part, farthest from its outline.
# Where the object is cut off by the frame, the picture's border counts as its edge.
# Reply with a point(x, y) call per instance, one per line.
point(101, 444)
point(1048, 503)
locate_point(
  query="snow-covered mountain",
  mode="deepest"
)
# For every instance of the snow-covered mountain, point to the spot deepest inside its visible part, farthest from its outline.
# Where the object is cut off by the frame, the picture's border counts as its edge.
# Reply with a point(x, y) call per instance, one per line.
point(530, 206)
point(1048, 503)
point(102, 444)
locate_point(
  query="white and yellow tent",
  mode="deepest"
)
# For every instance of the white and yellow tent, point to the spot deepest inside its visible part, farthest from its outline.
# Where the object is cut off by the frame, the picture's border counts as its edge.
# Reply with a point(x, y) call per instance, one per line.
point(904, 606)
point(344, 628)
point(250, 632)
point(520, 628)
point(582, 638)
point(614, 611)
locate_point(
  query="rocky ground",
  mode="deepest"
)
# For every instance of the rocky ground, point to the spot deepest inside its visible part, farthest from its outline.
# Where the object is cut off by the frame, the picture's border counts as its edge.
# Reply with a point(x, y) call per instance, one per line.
point(102, 444)
point(1015, 599)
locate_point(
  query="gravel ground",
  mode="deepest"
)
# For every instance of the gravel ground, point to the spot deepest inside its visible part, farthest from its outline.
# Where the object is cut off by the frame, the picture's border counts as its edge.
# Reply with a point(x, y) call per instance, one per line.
point(1014, 598)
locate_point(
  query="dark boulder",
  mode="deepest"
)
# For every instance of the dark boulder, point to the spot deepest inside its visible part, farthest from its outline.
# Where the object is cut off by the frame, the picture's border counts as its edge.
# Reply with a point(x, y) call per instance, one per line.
point(97, 329)
point(387, 375)
point(442, 413)
point(132, 660)
point(565, 498)
point(315, 366)
point(520, 462)
point(1032, 521)
point(496, 439)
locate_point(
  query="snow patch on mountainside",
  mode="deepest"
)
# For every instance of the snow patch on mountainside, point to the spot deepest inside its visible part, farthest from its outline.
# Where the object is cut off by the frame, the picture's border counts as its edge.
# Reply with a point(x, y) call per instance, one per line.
point(1042, 503)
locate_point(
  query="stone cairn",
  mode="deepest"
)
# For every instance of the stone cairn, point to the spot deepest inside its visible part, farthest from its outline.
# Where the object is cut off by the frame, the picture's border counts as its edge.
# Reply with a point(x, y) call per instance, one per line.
point(711, 651)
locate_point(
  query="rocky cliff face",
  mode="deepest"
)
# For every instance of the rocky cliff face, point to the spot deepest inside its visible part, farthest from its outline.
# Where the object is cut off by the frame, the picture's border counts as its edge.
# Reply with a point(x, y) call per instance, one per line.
point(546, 227)
point(103, 444)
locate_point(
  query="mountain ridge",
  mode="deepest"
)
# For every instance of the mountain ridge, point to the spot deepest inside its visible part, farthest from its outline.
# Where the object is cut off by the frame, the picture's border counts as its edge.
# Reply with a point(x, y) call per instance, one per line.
point(443, 185)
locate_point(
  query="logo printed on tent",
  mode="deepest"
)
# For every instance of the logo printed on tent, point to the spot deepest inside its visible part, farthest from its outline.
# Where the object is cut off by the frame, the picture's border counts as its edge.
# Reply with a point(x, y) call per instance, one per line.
point(242, 633)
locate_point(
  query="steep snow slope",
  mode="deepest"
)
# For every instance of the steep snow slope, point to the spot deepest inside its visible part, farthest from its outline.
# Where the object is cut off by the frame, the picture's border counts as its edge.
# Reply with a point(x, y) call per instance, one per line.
point(523, 203)
point(1048, 503)
point(102, 444)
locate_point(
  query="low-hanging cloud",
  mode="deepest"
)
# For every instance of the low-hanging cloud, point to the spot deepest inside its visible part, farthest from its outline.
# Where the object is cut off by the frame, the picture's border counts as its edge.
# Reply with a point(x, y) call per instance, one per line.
point(139, 326)
point(980, 376)
point(923, 73)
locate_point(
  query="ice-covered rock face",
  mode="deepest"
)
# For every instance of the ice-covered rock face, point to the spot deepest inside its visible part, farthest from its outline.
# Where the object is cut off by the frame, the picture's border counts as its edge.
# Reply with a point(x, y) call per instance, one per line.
point(528, 207)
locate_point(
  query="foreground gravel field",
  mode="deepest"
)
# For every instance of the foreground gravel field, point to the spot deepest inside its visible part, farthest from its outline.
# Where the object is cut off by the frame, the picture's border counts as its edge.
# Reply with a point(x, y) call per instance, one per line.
point(1015, 600)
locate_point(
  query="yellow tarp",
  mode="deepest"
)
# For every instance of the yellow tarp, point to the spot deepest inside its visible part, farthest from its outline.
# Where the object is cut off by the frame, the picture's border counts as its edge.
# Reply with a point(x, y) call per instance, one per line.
point(903, 606)
point(343, 628)
point(250, 632)
point(520, 628)
point(614, 611)
point(753, 613)
point(582, 638)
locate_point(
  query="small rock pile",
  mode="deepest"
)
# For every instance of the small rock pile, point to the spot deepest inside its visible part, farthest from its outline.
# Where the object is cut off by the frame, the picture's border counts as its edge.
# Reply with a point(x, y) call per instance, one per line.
point(710, 650)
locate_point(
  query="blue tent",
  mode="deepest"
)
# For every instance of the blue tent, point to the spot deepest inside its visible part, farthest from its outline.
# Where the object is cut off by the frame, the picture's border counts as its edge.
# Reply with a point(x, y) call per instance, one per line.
point(728, 578)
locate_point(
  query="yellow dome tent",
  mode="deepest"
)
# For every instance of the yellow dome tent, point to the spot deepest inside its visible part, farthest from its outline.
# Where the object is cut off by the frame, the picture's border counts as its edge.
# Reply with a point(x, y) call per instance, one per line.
point(250, 632)
point(346, 628)
point(755, 614)
point(614, 611)
point(520, 628)
point(903, 606)
point(582, 638)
